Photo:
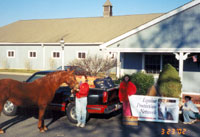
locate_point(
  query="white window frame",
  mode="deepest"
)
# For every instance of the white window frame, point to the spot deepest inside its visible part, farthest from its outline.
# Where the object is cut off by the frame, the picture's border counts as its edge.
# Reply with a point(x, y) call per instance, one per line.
point(81, 52)
point(11, 51)
point(30, 52)
point(55, 57)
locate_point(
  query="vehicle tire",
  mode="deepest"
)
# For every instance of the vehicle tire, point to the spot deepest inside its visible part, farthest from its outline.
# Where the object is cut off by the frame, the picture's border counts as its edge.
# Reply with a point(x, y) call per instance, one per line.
point(71, 113)
point(9, 109)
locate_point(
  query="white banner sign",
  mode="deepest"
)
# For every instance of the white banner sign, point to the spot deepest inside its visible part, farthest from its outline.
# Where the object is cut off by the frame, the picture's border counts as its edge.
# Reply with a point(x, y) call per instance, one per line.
point(159, 109)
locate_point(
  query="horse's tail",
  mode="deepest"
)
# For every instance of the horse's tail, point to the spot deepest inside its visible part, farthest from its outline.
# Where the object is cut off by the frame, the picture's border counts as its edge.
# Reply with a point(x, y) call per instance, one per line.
point(4, 90)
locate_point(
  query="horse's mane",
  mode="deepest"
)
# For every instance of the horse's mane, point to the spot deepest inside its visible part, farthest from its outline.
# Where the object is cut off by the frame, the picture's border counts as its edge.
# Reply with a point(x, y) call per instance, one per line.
point(49, 76)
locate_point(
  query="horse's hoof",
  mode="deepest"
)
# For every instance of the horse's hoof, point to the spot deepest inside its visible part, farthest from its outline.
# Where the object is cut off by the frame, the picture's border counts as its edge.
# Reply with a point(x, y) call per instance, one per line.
point(45, 128)
point(42, 130)
point(1, 131)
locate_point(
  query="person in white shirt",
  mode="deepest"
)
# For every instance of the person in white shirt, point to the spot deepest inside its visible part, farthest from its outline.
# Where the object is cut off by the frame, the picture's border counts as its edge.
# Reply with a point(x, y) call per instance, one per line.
point(189, 110)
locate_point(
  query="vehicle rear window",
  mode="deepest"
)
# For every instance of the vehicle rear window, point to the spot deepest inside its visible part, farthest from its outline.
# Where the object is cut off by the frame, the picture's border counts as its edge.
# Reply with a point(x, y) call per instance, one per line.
point(36, 77)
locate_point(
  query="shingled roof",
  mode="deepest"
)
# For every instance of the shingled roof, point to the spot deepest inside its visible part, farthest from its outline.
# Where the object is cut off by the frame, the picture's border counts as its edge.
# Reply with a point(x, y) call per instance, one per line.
point(107, 3)
point(72, 30)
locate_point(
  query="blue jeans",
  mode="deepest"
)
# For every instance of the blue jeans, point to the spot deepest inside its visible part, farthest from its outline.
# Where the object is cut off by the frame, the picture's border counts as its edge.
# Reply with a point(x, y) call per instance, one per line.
point(81, 111)
point(187, 115)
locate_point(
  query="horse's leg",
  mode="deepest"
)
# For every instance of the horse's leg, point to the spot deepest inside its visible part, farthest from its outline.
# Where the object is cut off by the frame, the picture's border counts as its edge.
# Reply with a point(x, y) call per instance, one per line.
point(41, 126)
point(1, 107)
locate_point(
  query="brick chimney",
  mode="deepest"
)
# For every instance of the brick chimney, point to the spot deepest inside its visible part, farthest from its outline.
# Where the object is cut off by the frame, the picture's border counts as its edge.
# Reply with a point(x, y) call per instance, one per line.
point(107, 9)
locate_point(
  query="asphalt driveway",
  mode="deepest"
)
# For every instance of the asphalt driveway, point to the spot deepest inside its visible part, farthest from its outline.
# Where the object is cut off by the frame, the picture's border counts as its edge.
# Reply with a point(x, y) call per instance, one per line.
point(97, 126)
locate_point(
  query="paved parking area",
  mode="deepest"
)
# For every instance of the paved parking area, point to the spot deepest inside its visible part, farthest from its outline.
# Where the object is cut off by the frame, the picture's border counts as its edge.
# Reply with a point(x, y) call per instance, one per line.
point(97, 126)
point(25, 125)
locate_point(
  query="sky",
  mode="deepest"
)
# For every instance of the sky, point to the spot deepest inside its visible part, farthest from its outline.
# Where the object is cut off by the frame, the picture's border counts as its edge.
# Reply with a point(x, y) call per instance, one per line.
point(15, 10)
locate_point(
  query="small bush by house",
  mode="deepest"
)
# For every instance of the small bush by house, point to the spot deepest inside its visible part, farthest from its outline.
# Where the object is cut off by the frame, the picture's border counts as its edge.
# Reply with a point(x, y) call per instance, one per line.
point(142, 81)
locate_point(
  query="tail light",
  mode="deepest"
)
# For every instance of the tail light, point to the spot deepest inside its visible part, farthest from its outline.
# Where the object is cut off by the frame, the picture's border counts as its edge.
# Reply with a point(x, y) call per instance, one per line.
point(105, 97)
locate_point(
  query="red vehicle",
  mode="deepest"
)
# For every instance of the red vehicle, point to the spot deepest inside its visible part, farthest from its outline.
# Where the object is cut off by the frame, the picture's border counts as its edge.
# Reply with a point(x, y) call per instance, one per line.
point(100, 101)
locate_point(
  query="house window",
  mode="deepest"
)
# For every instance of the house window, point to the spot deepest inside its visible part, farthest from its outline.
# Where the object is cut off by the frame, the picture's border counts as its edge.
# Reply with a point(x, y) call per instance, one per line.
point(152, 64)
point(81, 55)
point(56, 54)
point(11, 54)
point(32, 54)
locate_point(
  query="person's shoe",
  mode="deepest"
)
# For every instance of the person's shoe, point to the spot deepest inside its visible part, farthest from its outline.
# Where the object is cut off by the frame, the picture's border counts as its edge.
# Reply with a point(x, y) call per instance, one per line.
point(82, 125)
point(78, 124)
point(193, 121)
point(190, 122)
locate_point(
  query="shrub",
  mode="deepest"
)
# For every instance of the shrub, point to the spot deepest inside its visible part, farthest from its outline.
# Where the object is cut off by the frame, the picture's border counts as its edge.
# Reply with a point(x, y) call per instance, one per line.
point(95, 64)
point(169, 83)
point(142, 81)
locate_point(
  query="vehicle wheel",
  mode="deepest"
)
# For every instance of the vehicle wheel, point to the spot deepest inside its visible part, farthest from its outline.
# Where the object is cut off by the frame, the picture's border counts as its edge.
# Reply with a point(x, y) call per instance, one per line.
point(9, 109)
point(71, 113)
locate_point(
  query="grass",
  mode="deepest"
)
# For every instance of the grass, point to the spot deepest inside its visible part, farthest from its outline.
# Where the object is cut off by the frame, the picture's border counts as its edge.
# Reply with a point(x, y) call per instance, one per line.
point(112, 75)
point(18, 70)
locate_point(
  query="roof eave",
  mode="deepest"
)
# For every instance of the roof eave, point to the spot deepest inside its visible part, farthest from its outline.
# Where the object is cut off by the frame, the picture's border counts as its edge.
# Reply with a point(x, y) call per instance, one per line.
point(151, 23)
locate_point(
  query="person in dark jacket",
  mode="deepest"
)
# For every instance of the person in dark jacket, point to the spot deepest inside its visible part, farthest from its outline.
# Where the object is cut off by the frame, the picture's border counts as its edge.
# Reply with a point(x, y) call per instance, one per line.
point(81, 102)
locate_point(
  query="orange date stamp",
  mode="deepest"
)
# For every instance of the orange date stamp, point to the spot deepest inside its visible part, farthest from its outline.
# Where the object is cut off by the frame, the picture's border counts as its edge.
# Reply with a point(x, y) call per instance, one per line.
point(173, 131)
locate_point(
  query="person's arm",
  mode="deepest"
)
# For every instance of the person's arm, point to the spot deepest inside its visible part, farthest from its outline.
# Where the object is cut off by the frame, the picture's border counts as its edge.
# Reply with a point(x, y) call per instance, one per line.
point(131, 89)
point(193, 107)
point(120, 93)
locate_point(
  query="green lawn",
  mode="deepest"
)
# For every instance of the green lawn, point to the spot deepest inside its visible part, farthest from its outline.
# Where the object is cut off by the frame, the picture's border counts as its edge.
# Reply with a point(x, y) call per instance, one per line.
point(18, 70)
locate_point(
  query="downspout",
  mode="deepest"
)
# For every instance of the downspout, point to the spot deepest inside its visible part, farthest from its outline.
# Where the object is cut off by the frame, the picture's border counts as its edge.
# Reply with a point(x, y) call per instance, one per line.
point(43, 57)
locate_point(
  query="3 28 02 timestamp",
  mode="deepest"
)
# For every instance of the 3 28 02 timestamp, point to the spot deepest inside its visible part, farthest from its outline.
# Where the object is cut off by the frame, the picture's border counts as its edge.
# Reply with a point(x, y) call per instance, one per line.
point(172, 131)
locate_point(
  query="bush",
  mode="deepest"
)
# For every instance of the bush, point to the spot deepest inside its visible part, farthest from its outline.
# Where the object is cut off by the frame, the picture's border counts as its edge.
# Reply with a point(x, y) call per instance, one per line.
point(169, 83)
point(94, 64)
point(142, 81)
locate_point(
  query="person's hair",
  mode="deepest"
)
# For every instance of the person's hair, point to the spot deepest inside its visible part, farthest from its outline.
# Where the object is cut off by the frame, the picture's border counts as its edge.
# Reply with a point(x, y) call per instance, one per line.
point(86, 79)
point(123, 79)
point(188, 97)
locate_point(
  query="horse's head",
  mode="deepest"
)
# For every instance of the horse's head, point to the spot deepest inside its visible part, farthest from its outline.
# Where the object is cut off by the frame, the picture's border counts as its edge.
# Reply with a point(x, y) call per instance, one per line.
point(69, 78)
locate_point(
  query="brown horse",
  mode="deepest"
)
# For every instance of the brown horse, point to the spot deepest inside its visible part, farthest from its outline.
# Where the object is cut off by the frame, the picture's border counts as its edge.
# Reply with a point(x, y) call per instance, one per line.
point(39, 92)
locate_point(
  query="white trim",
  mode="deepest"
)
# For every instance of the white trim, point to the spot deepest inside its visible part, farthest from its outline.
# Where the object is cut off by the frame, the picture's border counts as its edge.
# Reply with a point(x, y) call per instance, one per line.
point(81, 52)
point(55, 57)
point(153, 22)
point(190, 93)
point(118, 65)
point(122, 64)
point(32, 51)
point(10, 51)
point(154, 50)
point(10, 43)
point(143, 62)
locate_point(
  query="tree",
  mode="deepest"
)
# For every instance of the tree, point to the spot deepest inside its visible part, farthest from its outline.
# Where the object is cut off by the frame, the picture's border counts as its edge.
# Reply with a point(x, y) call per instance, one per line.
point(92, 65)
point(169, 83)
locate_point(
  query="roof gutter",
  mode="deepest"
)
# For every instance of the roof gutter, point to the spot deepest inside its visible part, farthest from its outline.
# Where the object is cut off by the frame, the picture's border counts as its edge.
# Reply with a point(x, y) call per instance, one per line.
point(154, 50)
point(9, 43)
